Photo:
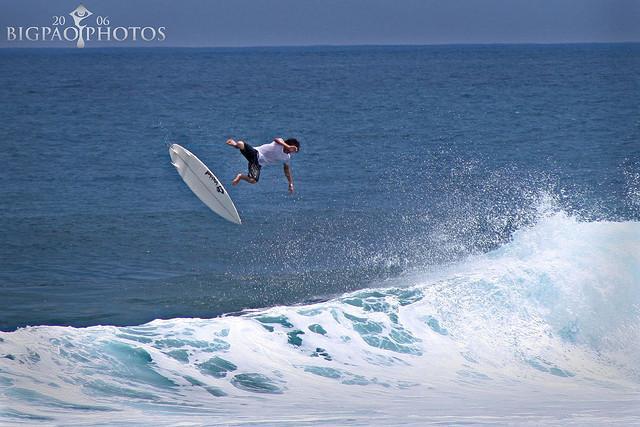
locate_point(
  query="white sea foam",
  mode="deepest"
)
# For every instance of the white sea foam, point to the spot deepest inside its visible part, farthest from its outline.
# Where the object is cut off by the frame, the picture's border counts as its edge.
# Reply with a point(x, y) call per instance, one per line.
point(543, 330)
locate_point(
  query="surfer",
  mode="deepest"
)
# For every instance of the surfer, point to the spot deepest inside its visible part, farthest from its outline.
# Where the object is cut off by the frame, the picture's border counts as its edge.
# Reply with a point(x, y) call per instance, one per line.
point(278, 151)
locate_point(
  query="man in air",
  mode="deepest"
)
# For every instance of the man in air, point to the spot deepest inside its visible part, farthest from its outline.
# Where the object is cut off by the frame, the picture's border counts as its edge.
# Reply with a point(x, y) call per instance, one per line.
point(278, 151)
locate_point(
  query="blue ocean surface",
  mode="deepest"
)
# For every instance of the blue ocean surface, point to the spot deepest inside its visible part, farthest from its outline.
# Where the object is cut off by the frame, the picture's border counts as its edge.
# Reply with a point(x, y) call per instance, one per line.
point(463, 245)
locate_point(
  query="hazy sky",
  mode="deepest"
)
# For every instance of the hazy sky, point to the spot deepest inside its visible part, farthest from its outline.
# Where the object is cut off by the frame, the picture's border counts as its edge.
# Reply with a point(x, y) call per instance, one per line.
point(313, 22)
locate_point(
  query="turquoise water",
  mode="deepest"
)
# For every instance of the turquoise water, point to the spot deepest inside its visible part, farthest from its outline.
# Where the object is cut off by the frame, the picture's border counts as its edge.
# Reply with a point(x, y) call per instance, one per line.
point(464, 232)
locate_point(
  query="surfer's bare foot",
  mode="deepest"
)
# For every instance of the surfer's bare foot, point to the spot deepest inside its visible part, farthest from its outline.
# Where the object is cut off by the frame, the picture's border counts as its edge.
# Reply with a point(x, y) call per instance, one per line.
point(237, 179)
point(237, 144)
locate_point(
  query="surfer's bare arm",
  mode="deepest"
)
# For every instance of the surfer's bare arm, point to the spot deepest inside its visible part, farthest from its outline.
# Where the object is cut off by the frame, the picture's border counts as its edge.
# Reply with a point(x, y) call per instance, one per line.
point(287, 173)
point(287, 148)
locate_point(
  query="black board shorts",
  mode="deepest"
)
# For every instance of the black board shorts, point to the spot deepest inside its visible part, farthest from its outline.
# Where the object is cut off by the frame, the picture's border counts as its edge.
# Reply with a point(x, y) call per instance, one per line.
point(251, 154)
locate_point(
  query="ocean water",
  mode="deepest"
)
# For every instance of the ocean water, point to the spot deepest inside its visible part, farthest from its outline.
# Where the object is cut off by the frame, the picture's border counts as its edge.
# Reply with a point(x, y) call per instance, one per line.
point(463, 245)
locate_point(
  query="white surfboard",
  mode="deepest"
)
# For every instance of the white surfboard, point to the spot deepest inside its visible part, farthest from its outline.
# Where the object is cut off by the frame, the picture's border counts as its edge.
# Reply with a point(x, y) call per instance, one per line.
point(203, 183)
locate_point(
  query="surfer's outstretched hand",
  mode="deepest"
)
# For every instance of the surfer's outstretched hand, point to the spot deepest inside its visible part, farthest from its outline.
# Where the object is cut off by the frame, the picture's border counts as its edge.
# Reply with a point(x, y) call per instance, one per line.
point(291, 189)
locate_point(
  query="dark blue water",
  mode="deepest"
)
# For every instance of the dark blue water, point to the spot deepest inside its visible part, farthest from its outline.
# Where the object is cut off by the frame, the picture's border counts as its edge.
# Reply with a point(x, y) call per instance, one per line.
point(410, 157)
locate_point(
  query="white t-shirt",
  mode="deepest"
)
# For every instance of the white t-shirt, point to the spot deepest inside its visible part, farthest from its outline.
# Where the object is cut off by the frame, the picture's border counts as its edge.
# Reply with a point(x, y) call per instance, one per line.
point(269, 154)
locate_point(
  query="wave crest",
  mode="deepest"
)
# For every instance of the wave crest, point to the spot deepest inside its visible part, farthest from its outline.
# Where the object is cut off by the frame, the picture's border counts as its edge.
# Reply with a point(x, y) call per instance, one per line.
point(556, 308)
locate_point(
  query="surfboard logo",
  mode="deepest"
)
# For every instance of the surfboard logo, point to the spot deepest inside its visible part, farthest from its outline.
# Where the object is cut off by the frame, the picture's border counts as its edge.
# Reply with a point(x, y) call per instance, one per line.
point(215, 181)
point(81, 32)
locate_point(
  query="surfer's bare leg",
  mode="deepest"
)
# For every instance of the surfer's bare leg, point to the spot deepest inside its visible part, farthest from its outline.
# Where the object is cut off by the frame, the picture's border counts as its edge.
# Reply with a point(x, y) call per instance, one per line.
point(241, 177)
point(237, 144)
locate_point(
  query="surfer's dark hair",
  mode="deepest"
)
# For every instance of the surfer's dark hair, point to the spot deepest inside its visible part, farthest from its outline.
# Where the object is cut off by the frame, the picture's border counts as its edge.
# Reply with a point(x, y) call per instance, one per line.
point(294, 142)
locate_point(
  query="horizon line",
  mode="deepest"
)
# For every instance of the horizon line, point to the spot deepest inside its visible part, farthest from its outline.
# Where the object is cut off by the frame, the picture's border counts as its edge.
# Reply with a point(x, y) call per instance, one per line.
point(321, 45)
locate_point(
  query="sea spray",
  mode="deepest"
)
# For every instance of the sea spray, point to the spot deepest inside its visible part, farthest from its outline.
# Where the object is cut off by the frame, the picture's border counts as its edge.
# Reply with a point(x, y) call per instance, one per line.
point(551, 314)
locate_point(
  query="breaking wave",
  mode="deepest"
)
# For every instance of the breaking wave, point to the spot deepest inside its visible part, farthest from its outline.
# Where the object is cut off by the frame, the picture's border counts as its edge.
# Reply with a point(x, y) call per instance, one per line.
point(536, 330)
